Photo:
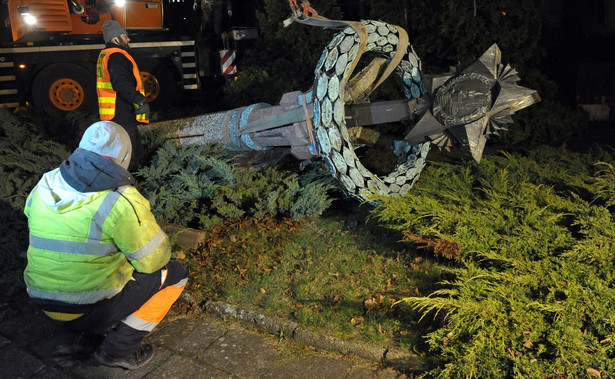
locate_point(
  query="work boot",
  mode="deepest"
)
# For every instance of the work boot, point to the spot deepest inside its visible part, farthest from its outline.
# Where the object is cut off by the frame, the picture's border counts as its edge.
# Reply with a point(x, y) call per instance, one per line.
point(140, 358)
point(76, 345)
point(86, 344)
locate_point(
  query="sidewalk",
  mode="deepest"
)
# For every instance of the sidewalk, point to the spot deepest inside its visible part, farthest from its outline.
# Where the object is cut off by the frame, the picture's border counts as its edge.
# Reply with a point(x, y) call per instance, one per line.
point(196, 345)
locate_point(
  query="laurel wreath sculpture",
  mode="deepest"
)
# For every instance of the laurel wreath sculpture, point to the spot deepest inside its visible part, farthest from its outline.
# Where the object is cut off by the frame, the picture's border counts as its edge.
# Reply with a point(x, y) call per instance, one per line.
point(332, 73)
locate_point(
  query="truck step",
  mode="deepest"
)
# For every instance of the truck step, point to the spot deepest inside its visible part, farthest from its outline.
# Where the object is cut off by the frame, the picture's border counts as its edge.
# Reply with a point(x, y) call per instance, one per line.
point(189, 68)
point(9, 96)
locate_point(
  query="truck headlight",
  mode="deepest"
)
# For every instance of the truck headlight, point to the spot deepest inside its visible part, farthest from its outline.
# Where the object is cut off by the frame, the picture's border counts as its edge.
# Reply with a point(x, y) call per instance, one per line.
point(27, 18)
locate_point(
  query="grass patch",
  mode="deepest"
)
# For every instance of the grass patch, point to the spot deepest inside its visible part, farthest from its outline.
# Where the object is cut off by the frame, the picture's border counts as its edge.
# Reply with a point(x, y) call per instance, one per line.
point(320, 272)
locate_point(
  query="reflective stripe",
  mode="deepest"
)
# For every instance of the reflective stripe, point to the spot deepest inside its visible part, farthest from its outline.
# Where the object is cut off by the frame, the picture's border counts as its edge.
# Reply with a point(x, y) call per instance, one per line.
point(101, 215)
point(76, 298)
point(149, 247)
point(73, 247)
point(104, 85)
point(139, 324)
point(104, 99)
point(181, 283)
point(60, 316)
point(103, 212)
point(106, 111)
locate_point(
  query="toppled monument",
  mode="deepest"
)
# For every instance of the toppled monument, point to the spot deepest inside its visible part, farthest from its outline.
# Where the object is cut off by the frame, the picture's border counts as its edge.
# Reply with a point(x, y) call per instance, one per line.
point(331, 121)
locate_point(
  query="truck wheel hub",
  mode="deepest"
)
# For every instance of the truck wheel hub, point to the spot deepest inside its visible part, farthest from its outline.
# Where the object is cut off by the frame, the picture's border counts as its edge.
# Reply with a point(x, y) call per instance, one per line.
point(151, 86)
point(66, 94)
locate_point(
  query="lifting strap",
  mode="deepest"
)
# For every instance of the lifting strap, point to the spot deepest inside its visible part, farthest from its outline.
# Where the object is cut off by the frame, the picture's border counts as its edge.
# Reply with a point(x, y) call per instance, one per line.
point(310, 17)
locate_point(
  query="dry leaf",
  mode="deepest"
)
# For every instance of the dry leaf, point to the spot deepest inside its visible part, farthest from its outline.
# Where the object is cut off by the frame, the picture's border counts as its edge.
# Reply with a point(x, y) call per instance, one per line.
point(593, 372)
point(373, 303)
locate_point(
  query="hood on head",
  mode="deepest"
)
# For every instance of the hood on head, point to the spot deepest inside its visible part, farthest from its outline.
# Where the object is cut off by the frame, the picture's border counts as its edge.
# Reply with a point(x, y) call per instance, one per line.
point(108, 139)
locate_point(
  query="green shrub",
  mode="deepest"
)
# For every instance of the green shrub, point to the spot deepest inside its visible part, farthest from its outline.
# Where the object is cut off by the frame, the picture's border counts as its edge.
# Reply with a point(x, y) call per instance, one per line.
point(26, 155)
point(197, 186)
point(532, 294)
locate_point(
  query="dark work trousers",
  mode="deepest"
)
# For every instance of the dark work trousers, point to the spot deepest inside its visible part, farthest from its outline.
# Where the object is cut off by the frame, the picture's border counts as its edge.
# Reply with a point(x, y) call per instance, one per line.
point(131, 314)
point(135, 139)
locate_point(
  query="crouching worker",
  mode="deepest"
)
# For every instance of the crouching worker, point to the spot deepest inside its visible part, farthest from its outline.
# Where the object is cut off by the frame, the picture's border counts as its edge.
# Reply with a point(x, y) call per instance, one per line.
point(98, 262)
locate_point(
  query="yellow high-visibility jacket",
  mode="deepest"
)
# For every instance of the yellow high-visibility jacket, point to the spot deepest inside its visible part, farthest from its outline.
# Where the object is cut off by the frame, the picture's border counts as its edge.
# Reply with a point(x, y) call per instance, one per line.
point(85, 246)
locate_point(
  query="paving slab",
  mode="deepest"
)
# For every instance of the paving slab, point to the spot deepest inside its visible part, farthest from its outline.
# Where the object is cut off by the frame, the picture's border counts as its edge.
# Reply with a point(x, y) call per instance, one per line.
point(241, 353)
point(191, 341)
point(362, 372)
point(172, 333)
point(91, 369)
point(38, 328)
point(311, 367)
point(180, 367)
point(16, 363)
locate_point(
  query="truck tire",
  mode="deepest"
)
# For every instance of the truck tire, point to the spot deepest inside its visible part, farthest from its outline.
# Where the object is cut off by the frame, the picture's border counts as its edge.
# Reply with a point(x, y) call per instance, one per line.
point(158, 82)
point(65, 87)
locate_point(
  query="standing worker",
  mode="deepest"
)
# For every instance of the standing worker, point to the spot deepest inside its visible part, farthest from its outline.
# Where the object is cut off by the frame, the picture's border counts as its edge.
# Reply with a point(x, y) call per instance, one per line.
point(121, 97)
point(98, 261)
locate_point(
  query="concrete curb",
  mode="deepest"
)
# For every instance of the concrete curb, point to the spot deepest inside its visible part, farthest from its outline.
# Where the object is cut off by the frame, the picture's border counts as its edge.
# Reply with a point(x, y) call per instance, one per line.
point(392, 357)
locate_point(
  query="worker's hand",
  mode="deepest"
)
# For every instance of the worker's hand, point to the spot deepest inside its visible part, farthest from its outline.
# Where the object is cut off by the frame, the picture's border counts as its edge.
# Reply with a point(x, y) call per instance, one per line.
point(142, 111)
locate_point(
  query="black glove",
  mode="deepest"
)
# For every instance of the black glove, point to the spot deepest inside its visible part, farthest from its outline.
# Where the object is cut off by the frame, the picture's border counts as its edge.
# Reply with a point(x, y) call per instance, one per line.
point(142, 111)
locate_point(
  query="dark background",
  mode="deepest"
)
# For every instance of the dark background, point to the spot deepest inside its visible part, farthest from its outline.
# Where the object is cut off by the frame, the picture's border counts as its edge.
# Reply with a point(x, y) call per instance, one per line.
point(571, 42)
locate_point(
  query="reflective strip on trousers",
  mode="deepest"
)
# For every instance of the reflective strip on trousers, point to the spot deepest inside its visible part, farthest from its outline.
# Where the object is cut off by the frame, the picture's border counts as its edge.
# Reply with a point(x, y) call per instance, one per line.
point(153, 311)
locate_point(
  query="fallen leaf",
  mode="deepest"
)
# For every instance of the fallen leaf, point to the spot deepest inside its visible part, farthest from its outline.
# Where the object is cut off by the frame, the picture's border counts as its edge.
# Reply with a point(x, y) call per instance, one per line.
point(372, 303)
point(593, 372)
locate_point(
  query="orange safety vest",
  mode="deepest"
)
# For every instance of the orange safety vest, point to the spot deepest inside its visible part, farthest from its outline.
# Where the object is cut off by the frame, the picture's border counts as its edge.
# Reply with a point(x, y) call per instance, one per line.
point(106, 95)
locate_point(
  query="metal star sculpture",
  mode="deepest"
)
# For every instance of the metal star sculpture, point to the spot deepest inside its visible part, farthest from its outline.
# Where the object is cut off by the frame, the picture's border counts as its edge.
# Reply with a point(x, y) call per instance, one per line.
point(470, 105)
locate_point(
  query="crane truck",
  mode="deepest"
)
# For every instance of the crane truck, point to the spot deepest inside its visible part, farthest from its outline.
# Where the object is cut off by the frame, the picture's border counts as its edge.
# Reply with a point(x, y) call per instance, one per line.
point(49, 49)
